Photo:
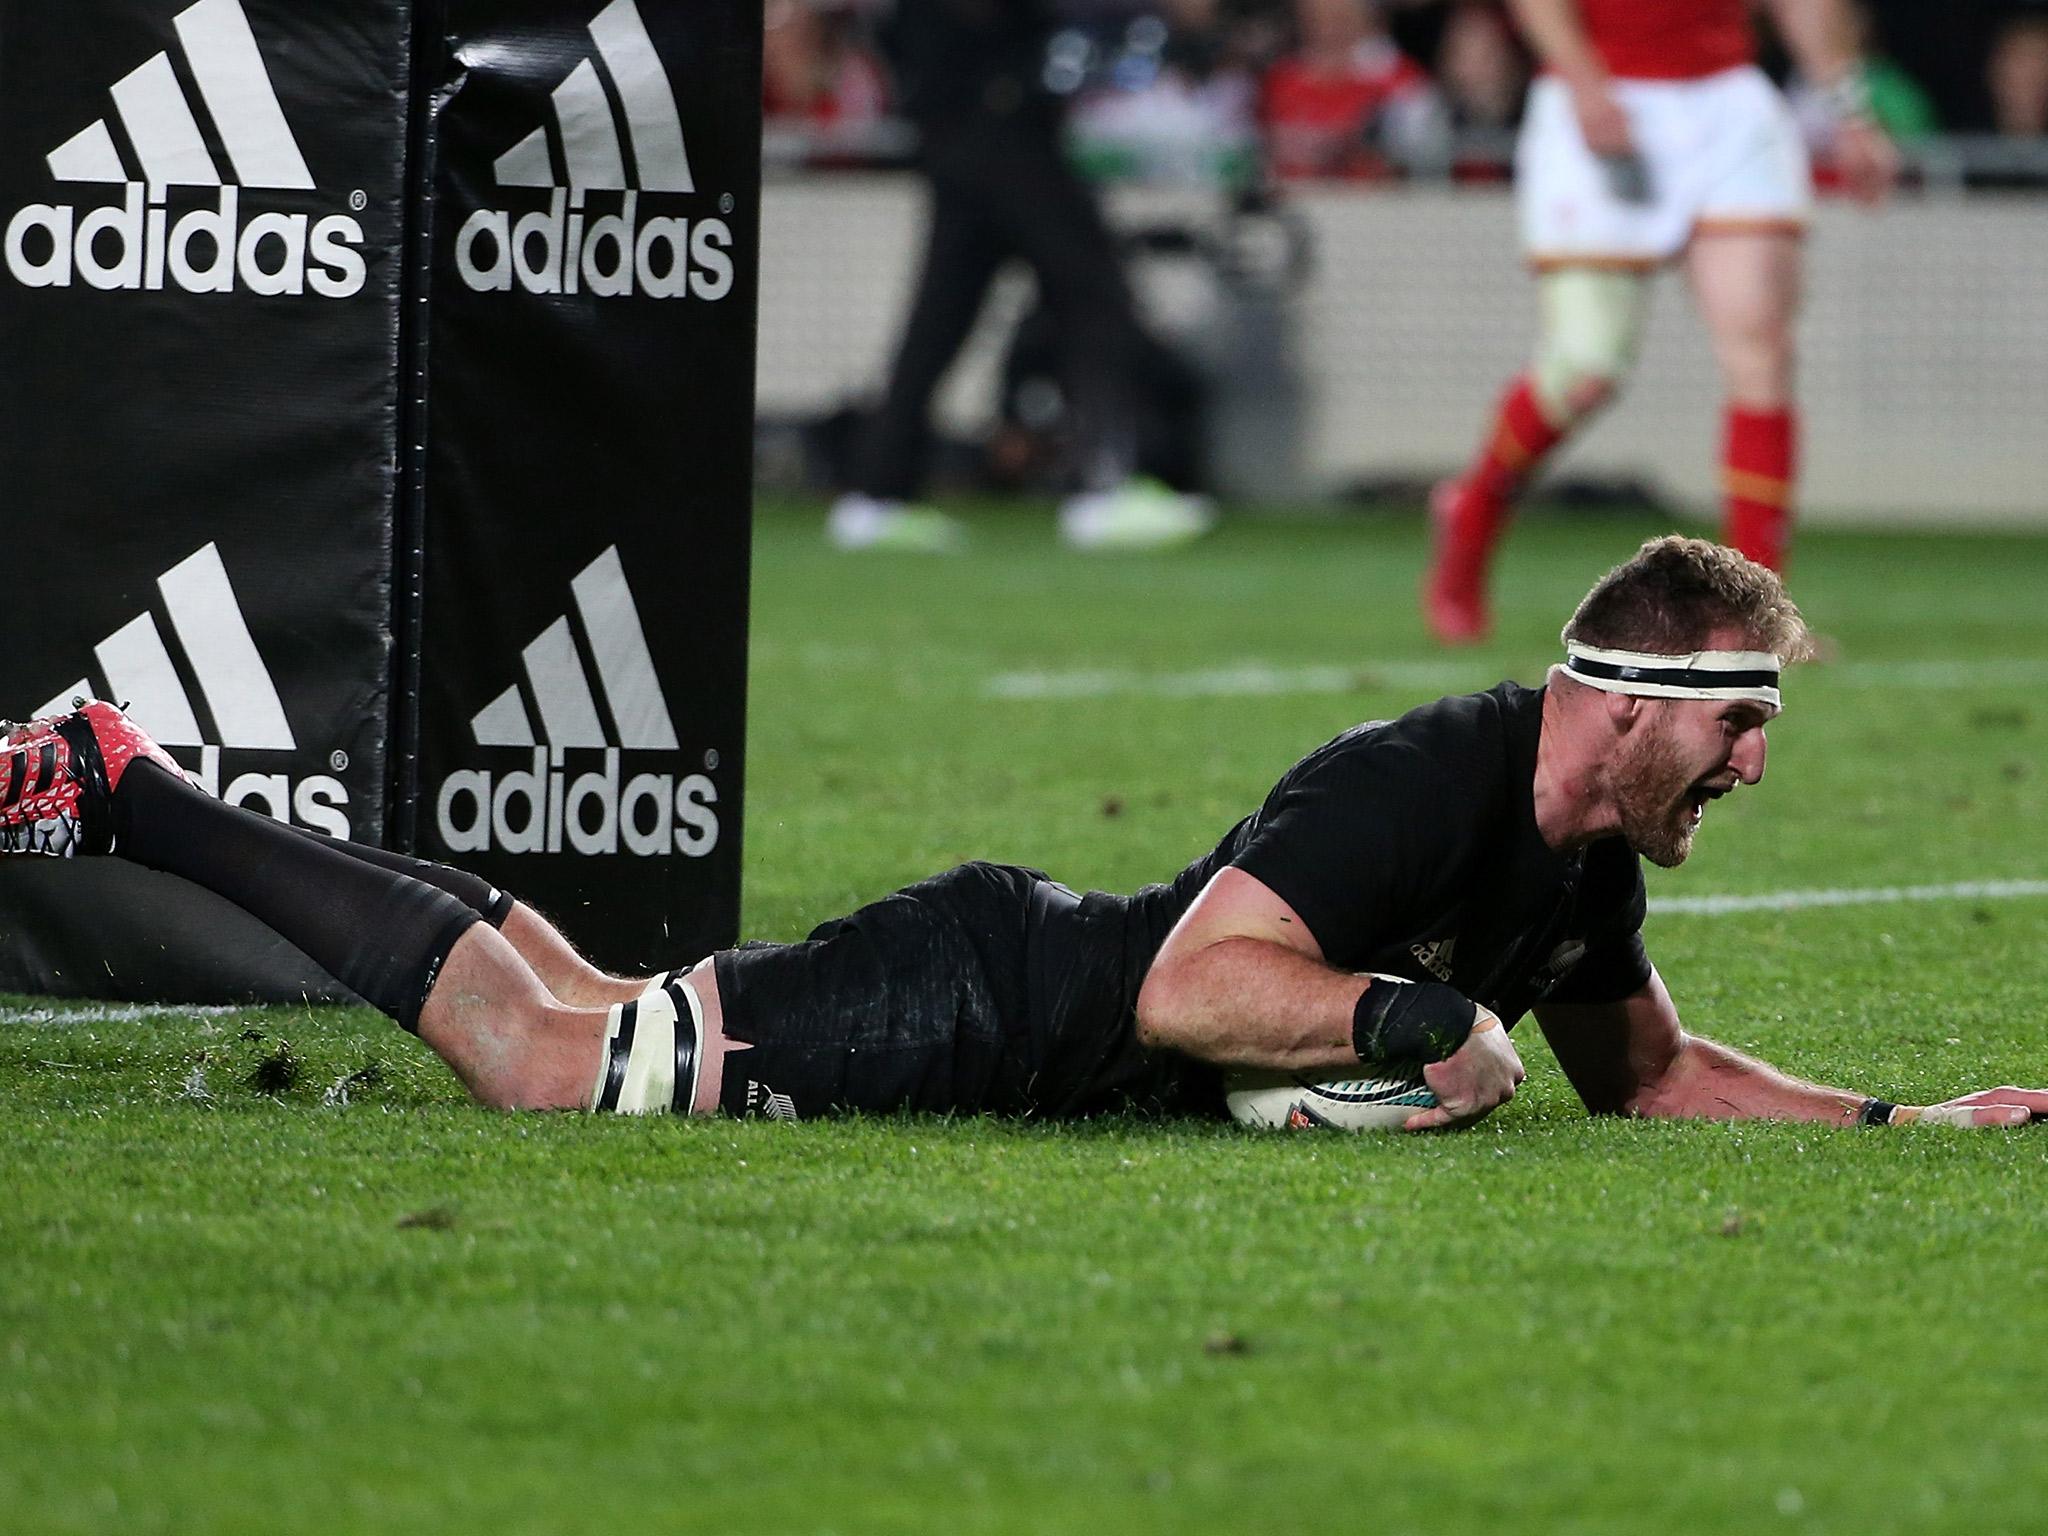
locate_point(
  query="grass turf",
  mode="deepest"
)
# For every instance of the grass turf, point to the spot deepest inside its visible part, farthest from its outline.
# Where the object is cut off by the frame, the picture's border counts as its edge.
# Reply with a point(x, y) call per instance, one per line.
point(296, 1284)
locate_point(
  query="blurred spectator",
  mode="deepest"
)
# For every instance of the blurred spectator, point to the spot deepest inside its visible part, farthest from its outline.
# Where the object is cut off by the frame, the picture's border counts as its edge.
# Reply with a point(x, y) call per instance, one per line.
point(1170, 101)
point(2017, 72)
point(1481, 67)
point(817, 69)
point(1347, 101)
point(973, 78)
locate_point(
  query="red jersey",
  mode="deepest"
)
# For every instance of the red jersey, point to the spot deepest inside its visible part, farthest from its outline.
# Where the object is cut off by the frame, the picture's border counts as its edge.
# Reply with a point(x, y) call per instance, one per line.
point(1668, 39)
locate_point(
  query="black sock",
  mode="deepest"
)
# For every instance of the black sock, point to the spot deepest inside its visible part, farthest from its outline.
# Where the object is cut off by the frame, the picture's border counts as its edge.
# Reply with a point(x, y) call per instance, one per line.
point(380, 932)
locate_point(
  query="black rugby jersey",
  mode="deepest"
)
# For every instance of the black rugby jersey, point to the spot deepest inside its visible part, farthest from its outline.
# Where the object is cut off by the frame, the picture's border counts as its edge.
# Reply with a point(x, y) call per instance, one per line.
point(1410, 847)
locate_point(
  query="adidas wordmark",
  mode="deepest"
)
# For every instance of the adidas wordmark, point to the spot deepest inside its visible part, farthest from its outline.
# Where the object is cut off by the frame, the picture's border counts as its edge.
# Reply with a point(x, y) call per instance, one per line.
point(548, 807)
point(565, 248)
point(136, 243)
point(135, 664)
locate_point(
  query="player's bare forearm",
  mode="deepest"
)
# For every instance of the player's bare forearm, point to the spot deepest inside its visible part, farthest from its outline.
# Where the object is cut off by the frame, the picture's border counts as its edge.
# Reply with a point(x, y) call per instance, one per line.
point(1706, 1080)
point(1821, 37)
point(1632, 1057)
point(1247, 1002)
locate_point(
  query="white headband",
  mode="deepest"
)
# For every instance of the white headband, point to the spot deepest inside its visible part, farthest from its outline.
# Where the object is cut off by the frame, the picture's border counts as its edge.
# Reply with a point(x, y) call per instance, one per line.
point(1701, 675)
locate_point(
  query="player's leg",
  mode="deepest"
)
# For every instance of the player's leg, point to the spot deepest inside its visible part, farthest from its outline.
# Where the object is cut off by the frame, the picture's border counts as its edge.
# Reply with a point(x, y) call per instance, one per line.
point(1744, 263)
point(961, 257)
point(1594, 245)
point(918, 1001)
point(564, 972)
point(657, 1050)
point(1055, 221)
point(94, 783)
point(1589, 333)
point(1747, 284)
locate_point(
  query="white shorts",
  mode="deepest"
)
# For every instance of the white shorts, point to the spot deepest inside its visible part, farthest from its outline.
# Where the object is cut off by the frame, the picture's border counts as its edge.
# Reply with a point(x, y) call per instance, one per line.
point(1718, 152)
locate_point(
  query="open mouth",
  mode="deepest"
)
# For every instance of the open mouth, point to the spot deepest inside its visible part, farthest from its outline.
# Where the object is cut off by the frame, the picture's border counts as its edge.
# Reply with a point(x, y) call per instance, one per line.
point(1696, 800)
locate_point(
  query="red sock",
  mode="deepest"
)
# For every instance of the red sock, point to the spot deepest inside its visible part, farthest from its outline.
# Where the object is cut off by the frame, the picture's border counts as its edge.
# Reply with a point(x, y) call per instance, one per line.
point(1757, 465)
point(1522, 435)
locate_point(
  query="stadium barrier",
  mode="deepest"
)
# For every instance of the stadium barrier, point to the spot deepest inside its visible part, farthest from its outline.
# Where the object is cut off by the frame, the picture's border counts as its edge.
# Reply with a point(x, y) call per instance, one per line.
point(1923, 371)
point(378, 402)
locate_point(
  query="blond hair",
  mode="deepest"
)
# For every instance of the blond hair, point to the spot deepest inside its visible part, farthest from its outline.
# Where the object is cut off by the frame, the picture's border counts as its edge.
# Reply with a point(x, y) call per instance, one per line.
point(1675, 592)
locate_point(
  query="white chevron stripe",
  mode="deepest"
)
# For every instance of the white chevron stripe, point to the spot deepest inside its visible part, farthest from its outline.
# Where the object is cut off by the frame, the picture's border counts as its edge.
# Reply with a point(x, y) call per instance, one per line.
point(139, 672)
point(618, 641)
point(662, 163)
point(238, 687)
point(568, 707)
point(88, 156)
point(161, 127)
point(503, 722)
point(206, 617)
point(526, 164)
point(590, 140)
point(238, 92)
point(567, 711)
point(589, 128)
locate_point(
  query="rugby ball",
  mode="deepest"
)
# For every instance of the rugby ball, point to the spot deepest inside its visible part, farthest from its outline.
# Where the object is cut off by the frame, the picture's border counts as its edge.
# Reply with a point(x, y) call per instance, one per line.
point(1291, 1101)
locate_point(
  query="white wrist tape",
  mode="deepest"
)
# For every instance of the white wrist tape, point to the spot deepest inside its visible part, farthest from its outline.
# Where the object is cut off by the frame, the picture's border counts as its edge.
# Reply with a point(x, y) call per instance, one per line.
point(1947, 1114)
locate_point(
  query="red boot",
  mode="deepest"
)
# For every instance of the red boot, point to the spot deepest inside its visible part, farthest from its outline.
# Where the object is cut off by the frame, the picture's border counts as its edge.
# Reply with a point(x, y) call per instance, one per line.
point(58, 776)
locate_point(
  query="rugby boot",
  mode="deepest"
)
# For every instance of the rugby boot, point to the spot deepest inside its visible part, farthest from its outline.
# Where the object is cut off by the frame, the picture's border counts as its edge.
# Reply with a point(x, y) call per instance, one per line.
point(58, 776)
point(1454, 587)
point(1141, 513)
point(892, 527)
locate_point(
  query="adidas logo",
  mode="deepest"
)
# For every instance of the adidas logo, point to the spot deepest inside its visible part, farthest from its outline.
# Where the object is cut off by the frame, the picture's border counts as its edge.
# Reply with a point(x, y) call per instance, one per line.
point(562, 249)
point(136, 244)
point(541, 808)
point(214, 648)
point(1435, 956)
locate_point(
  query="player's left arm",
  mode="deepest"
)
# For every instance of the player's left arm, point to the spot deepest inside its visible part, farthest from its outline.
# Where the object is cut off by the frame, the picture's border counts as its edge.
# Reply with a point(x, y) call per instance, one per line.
point(1821, 37)
point(1634, 1057)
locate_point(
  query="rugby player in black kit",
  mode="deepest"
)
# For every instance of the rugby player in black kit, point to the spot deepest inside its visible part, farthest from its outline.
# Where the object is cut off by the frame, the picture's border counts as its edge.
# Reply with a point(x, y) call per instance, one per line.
point(1484, 847)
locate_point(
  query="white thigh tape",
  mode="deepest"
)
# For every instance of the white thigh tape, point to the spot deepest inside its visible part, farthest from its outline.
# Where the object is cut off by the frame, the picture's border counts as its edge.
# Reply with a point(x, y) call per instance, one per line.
point(652, 1050)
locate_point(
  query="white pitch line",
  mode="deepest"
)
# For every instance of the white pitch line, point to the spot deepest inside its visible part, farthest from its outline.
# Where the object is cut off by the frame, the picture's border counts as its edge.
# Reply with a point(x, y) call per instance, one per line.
point(1257, 679)
point(113, 1013)
point(1242, 679)
point(1794, 901)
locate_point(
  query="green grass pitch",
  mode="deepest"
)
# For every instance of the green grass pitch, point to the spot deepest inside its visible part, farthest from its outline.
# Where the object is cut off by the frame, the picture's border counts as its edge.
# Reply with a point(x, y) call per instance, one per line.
point(297, 1284)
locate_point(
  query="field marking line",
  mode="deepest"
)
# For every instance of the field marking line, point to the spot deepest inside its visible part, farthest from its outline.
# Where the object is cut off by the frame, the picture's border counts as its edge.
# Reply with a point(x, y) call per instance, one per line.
point(115, 1013)
point(1239, 679)
point(1796, 901)
point(1258, 679)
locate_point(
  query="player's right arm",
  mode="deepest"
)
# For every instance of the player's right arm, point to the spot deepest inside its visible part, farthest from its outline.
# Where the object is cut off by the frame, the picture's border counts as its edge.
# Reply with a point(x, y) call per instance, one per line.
point(1557, 35)
point(1242, 982)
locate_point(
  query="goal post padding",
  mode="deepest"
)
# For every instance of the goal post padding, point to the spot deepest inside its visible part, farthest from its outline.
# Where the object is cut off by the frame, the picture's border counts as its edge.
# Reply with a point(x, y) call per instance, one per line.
point(311, 501)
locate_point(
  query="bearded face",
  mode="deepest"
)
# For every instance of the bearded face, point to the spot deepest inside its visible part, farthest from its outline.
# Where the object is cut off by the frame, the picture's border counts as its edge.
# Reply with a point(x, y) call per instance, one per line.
point(1661, 792)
